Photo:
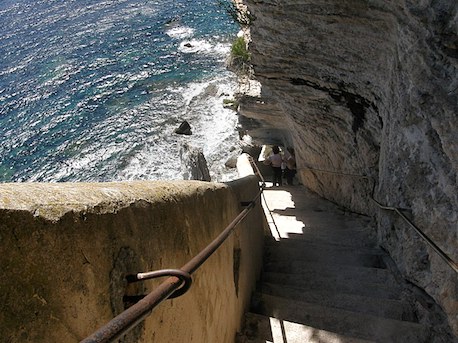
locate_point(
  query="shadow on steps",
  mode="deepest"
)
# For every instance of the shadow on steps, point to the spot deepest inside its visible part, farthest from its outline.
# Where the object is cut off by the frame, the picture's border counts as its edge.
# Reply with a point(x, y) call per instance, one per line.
point(325, 280)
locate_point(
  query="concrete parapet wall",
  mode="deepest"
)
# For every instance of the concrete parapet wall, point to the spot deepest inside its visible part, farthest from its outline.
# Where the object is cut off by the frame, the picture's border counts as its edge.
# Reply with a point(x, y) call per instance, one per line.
point(65, 250)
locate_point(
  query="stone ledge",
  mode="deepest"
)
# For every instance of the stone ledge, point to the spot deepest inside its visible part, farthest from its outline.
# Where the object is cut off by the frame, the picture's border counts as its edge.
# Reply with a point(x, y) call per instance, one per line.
point(51, 201)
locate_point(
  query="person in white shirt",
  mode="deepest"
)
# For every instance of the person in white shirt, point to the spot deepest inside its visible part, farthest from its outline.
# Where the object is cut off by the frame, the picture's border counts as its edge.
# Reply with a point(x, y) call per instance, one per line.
point(275, 160)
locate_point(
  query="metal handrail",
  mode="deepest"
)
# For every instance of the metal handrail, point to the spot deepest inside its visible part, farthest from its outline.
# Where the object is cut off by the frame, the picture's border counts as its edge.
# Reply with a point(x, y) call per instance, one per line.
point(433, 245)
point(338, 173)
point(131, 317)
point(429, 241)
point(256, 170)
point(263, 184)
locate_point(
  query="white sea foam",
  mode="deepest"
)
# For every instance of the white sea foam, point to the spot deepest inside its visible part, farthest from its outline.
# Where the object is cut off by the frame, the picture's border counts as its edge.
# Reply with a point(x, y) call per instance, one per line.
point(200, 46)
point(222, 49)
point(213, 127)
point(195, 46)
point(180, 32)
point(11, 70)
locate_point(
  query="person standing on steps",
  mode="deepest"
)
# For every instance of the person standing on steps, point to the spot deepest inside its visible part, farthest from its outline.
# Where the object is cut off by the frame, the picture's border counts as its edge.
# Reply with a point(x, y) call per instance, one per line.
point(275, 160)
point(290, 170)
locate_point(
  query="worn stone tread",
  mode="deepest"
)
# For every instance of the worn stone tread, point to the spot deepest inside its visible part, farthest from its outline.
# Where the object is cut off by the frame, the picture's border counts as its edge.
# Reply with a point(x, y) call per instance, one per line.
point(335, 284)
point(316, 269)
point(388, 308)
point(344, 322)
point(270, 329)
point(342, 239)
point(337, 258)
point(297, 245)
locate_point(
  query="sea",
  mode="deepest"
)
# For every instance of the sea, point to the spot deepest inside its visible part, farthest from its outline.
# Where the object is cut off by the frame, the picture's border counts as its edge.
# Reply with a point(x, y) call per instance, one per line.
point(92, 90)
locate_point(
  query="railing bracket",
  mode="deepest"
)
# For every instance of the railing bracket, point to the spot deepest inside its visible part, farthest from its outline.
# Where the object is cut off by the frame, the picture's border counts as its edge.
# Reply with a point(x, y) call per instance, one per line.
point(182, 275)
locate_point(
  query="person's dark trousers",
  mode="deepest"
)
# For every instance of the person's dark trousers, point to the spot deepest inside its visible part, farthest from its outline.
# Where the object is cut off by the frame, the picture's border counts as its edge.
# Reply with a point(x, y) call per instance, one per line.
point(277, 176)
point(290, 175)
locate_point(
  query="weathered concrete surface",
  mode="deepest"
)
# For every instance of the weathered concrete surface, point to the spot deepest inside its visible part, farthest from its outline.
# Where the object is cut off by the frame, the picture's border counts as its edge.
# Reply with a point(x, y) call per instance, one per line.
point(66, 248)
point(367, 87)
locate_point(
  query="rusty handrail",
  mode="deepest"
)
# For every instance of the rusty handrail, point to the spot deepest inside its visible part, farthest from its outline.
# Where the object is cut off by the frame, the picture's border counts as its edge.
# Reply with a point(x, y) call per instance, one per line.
point(131, 317)
point(256, 170)
point(429, 241)
point(433, 245)
point(337, 172)
point(263, 184)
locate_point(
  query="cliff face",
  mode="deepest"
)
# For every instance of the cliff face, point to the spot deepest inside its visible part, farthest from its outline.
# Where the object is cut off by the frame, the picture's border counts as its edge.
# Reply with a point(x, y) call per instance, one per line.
point(368, 88)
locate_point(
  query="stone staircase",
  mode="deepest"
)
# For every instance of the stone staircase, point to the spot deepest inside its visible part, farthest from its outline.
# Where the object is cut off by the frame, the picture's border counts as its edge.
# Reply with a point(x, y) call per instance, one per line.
point(324, 280)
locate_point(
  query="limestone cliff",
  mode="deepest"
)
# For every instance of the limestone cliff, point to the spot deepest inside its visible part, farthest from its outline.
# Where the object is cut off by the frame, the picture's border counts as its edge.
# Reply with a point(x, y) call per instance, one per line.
point(369, 88)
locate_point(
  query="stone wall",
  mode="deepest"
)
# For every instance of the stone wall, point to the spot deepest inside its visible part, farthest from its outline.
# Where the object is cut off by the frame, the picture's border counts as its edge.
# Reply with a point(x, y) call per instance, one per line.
point(368, 88)
point(65, 250)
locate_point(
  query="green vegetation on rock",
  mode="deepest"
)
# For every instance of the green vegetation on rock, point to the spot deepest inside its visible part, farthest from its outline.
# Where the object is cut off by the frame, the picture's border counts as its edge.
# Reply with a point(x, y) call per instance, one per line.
point(240, 57)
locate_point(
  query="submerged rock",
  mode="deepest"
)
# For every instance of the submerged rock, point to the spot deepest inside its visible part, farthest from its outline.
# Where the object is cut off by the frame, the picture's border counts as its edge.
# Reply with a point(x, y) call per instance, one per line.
point(231, 162)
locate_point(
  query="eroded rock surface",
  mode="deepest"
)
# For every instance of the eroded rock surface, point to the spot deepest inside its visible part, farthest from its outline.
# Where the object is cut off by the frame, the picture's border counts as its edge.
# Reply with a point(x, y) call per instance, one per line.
point(367, 88)
point(193, 164)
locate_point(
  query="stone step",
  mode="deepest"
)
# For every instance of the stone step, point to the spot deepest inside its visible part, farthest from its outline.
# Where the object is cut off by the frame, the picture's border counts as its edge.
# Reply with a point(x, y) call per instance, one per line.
point(325, 217)
point(344, 322)
point(335, 284)
point(297, 246)
point(323, 254)
point(322, 222)
point(264, 329)
point(335, 228)
point(340, 239)
point(244, 339)
point(316, 269)
point(387, 308)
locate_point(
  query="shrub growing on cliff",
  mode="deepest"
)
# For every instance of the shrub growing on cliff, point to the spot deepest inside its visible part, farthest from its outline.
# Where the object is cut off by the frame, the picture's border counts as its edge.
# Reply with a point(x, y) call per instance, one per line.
point(231, 103)
point(240, 57)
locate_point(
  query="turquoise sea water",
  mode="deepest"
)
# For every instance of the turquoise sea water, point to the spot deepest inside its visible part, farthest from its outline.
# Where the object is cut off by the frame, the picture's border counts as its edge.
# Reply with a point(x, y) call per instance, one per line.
point(93, 90)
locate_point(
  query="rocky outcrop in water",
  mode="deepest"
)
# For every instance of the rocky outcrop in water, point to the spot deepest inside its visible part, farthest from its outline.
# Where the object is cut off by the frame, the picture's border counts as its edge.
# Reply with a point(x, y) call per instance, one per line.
point(184, 128)
point(367, 88)
point(193, 164)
